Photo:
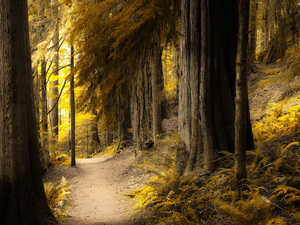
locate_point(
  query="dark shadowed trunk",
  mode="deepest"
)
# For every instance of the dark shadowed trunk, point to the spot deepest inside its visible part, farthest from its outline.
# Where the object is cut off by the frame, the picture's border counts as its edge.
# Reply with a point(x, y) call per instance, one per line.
point(22, 196)
point(217, 22)
point(252, 27)
point(55, 66)
point(241, 101)
point(156, 67)
point(72, 104)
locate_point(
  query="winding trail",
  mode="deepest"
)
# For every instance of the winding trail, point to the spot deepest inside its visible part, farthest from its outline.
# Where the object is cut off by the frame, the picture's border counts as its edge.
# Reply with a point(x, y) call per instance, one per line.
point(98, 187)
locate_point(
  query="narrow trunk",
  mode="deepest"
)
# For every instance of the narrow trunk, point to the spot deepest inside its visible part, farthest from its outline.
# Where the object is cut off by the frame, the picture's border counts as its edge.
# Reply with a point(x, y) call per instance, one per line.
point(194, 74)
point(54, 89)
point(44, 126)
point(175, 66)
point(241, 92)
point(22, 196)
point(184, 95)
point(94, 132)
point(206, 86)
point(156, 87)
point(72, 101)
point(252, 27)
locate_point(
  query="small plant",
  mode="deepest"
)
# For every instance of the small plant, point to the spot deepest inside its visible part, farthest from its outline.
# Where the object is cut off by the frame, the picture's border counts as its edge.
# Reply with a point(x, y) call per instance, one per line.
point(57, 197)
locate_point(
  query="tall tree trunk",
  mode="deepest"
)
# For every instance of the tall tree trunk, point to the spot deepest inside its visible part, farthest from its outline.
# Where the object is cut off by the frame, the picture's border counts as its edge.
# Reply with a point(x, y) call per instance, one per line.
point(217, 80)
point(94, 132)
point(156, 86)
point(54, 89)
point(241, 92)
point(266, 26)
point(194, 72)
point(175, 65)
point(252, 27)
point(184, 95)
point(22, 196)
point(72, 103)
point(45, 158)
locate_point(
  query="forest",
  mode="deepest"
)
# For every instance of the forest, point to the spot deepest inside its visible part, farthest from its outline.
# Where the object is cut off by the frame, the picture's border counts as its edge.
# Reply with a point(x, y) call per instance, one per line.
point(149, 112)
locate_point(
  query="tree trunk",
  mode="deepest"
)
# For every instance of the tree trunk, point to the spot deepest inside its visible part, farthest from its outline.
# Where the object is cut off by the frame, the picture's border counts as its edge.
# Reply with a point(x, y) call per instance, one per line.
point(175, 66)
point(241, 92)
point(184, 95)
point(156, 66)
point(194, 71)
point(45, 157)
point(252, 27)
point(22, 196)
point(217, 78)
point(94, 132)
point(54, 89)
point(72, 103)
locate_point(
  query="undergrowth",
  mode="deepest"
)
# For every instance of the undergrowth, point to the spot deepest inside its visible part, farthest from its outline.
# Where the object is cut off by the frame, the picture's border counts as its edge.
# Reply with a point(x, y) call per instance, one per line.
point(269, 195)
point(57, 197)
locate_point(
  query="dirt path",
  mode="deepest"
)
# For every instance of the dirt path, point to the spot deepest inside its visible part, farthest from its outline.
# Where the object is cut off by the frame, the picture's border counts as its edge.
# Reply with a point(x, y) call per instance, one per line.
point(98, 190)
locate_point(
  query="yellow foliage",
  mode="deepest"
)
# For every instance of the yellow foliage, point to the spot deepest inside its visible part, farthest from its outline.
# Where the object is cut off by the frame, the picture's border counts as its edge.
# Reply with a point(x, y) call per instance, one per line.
point(57, 197)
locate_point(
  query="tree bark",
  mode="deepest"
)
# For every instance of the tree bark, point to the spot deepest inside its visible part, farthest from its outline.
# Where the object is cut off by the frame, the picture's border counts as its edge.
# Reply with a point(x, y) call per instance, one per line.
point(45, 158)
point(156, 86)
point(184, 95)
point(22, 196)
point(194, 71)
point(252, 27)
point(72, 103)
point(54, 89)
point(241, 92)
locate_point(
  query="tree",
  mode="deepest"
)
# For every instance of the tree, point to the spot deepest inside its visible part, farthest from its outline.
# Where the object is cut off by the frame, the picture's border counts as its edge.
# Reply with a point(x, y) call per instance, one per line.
point(22, 197)
point(252, 27)
point(215, 81)
point(55, 69)
point(241, 92)
point(156, 66)
point(72, 104)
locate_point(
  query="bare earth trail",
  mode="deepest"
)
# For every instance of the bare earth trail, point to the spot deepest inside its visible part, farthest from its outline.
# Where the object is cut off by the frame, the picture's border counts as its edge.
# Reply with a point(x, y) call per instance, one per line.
point(99, 183)
point(98, 187)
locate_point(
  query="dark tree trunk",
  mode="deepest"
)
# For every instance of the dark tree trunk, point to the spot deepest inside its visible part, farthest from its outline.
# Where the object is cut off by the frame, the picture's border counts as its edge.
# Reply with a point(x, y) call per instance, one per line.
point(94, 132)
point(241, 92)
point(216, 74)
point(54, 89)
point(194, 71)
point(175, 66)
point(156, 67)
point(141, 106)
point(252, 27)
point(45, 158)
point(22, 196)
point(184, 95)
point(72, 103)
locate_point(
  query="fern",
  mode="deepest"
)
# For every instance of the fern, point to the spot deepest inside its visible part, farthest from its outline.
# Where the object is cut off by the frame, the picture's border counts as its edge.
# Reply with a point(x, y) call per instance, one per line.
point(57, 197)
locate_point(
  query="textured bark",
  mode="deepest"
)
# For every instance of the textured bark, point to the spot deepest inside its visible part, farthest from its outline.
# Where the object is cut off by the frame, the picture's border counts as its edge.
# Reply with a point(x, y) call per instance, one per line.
point(175, 65)
point(156, 66)
point(94, 132)
point(72, 103)
point(241, 92)
point(45, 157)
point(184, 96)
point(54, 90)
point(141, 106)
point(22, 197)
point(217, 77)
point(194, 71)
point(252, 27)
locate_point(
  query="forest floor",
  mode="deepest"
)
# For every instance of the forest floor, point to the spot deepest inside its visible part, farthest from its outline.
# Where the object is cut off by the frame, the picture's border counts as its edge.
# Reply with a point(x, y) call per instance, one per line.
point(99, 185)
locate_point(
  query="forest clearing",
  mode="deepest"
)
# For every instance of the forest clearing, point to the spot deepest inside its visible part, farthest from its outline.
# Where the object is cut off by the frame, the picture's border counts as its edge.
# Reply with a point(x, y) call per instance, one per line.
point(149, 112)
